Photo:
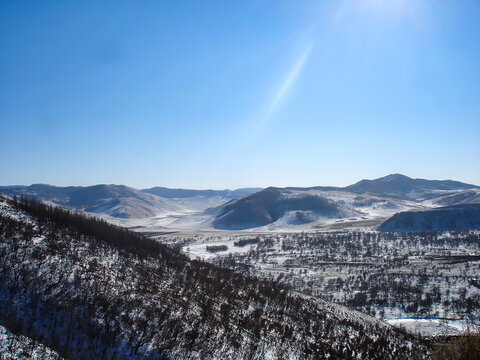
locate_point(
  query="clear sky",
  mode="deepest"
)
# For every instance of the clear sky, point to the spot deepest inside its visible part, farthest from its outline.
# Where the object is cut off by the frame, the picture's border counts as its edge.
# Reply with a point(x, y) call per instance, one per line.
point(228, 94)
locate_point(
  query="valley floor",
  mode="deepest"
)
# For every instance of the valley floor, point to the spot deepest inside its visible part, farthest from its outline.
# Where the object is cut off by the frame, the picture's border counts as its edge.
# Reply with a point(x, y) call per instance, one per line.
point(427, 283)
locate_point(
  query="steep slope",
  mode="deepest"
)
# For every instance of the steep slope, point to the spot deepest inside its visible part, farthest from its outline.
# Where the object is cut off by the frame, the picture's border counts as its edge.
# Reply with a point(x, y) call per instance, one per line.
point(114, 200)
point(445, 218)
point(269, 205)
point(97, 291)
point(401, 186)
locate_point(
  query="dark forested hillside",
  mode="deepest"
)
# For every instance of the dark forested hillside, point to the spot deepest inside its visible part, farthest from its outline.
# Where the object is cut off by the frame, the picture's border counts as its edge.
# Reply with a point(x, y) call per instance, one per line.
point(452, 217)
point(90, 290)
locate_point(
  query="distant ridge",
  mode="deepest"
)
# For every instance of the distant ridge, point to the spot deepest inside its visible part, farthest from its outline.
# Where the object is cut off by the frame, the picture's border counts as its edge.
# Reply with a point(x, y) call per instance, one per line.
point(402, 186)
point(184, 193)
point(124, 202)
point(367, 203)
point(307, 205)
point(115, 200)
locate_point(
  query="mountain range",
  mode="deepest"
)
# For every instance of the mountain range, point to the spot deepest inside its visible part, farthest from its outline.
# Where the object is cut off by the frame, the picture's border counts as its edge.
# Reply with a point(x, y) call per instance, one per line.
point(365, 204)
point(123, 202)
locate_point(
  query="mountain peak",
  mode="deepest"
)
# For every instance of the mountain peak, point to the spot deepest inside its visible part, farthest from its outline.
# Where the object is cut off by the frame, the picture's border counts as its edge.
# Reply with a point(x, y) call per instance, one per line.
point(393, 177)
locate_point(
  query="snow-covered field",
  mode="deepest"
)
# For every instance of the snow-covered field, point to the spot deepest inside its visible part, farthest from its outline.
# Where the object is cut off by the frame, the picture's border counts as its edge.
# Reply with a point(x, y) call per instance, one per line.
point(430, 327)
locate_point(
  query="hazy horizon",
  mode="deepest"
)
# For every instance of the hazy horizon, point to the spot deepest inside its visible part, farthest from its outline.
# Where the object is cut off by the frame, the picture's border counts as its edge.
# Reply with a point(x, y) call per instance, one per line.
point(215, 95)
point(220, 189)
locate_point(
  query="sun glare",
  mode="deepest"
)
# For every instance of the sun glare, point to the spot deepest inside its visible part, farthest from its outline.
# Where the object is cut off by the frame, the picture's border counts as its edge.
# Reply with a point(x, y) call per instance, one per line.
point(388, 10)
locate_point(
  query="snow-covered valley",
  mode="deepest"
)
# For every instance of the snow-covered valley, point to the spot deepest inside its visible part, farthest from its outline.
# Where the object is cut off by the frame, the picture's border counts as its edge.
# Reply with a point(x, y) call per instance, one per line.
point(392, 276)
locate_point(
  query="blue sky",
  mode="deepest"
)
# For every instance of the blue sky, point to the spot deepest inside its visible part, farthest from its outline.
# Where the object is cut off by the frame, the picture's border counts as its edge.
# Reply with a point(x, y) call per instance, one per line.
point(228, 94)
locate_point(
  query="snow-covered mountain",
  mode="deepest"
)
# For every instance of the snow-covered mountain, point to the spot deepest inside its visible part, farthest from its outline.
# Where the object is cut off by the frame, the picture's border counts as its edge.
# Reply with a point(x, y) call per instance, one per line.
point(402, 187)
point(123, 202)
point(366, 204)
point(270, 205)
point(118, 201)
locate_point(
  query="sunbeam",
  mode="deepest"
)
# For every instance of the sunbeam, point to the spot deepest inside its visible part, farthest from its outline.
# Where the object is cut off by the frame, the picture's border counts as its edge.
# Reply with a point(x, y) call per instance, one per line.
point(282, 91)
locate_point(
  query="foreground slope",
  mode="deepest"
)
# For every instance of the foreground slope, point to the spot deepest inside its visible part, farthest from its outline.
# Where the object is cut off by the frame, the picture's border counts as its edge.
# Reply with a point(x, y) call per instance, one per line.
point(91, 290)
point(452, 217)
